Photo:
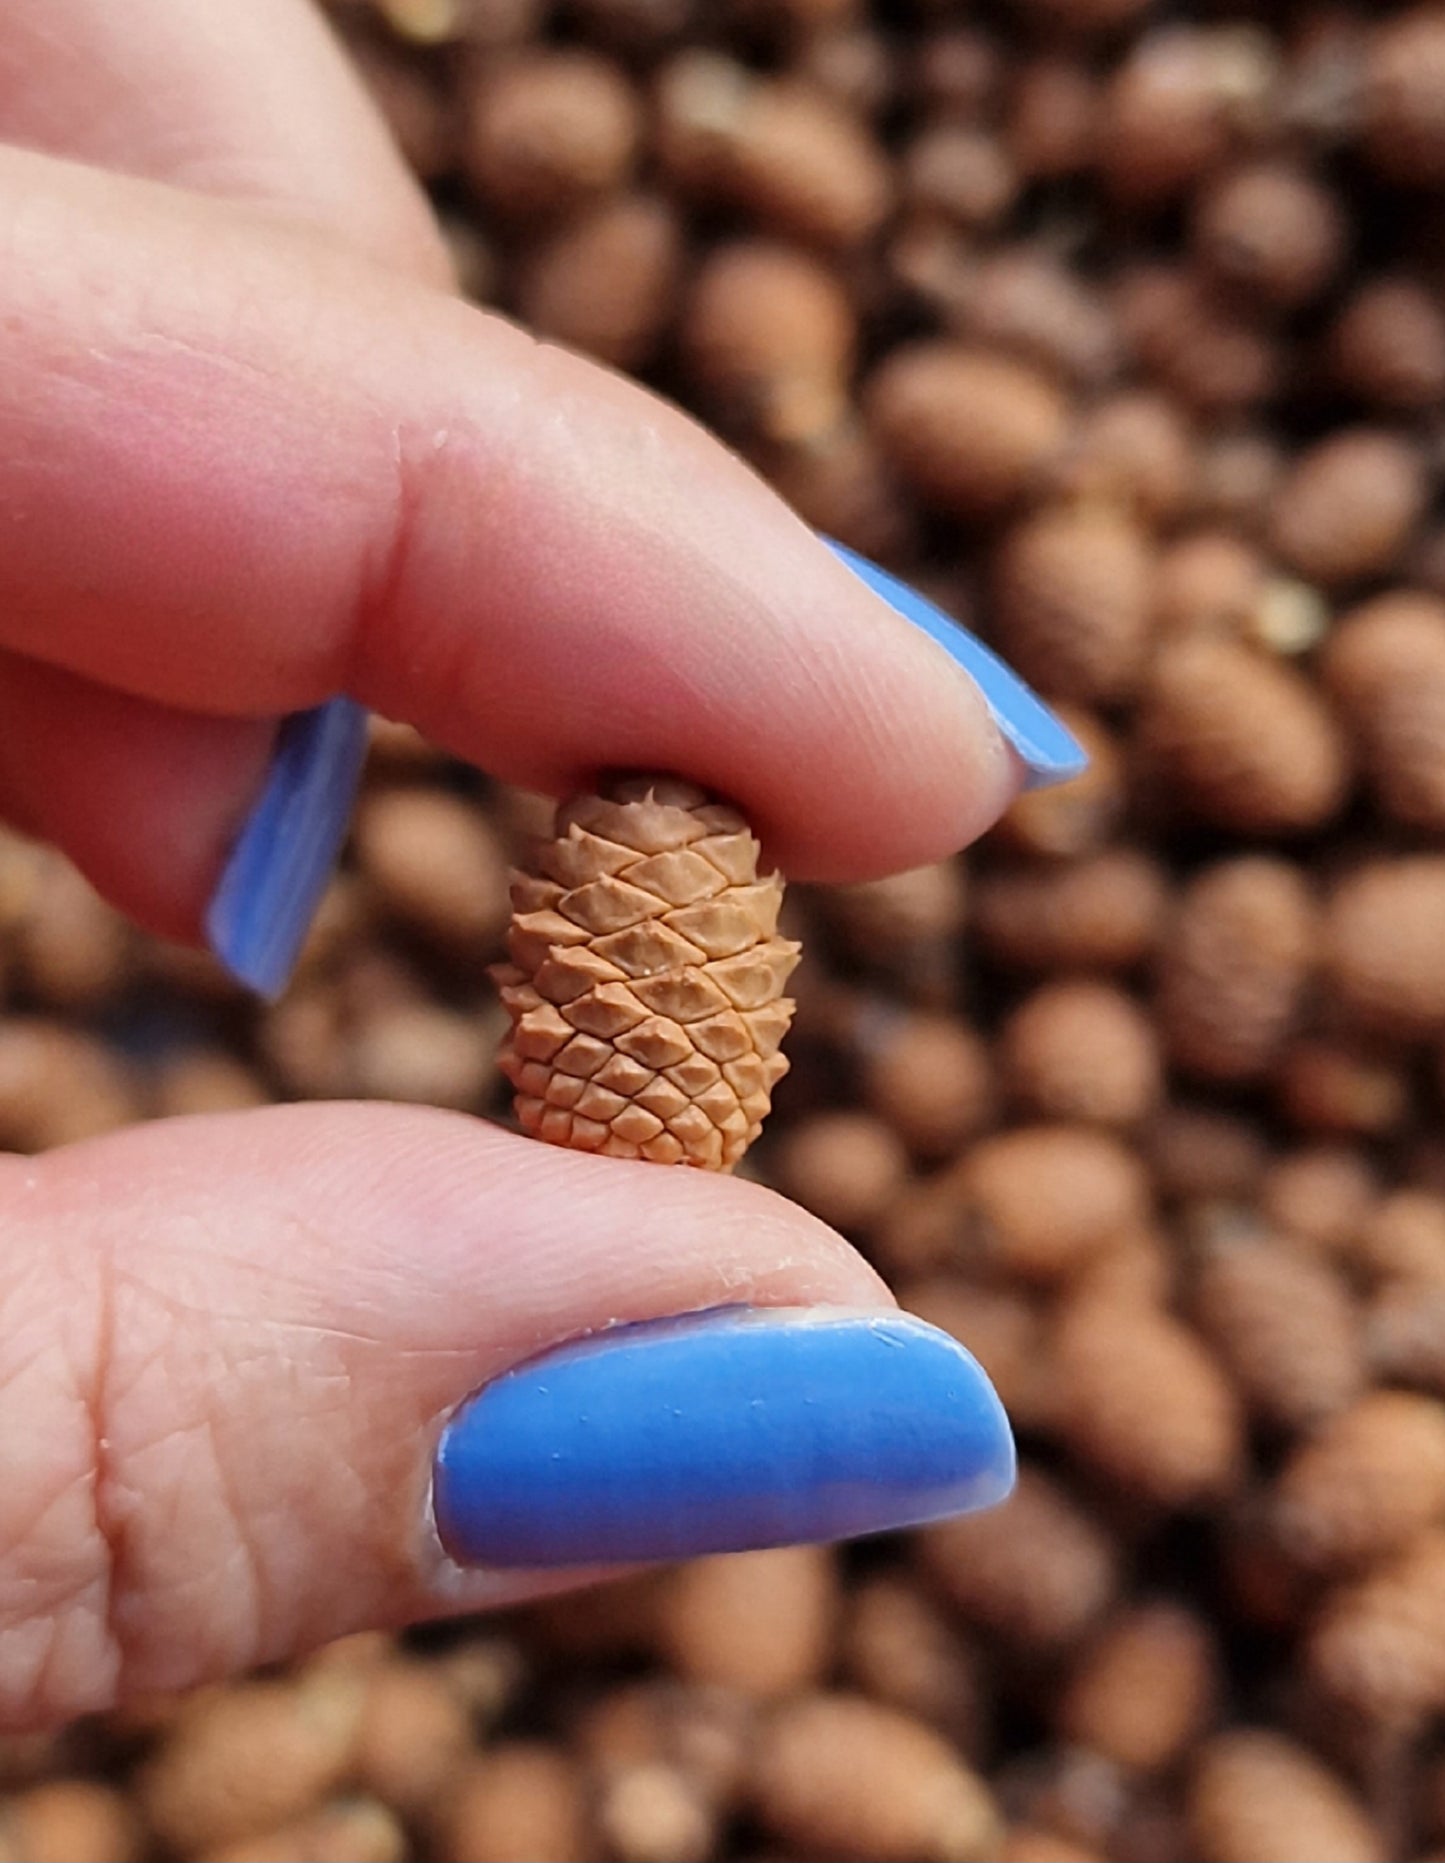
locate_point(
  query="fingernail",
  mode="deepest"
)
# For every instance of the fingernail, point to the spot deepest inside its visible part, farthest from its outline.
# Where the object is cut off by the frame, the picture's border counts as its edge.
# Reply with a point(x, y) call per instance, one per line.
point(722, 1431)
point(1050, 752)
point(262, 908)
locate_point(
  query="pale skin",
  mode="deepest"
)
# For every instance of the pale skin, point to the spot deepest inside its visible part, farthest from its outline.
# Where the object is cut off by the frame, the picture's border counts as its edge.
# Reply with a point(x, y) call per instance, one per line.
point(253, 451)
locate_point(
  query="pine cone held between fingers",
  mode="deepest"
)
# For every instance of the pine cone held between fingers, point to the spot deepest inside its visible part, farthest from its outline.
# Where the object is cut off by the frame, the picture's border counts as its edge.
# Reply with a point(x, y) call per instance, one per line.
point(647, 977)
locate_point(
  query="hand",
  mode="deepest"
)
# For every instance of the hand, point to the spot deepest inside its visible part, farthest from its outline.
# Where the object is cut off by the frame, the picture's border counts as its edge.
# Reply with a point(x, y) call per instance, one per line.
point(254, 455)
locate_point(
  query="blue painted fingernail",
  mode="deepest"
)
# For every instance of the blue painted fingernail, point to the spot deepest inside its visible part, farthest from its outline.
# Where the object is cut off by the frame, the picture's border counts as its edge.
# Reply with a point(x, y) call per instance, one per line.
point(720, 1432)
point(1051, 753)
point(262, 908)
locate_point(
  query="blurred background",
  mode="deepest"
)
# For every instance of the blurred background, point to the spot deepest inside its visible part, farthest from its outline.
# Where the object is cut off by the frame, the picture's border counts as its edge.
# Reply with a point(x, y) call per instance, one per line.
point(1118, 327)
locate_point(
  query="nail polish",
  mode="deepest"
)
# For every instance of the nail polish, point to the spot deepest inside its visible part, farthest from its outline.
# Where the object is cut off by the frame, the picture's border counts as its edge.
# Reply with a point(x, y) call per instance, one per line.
point(272, 882)
point(1049, 752)
point(721, 1431)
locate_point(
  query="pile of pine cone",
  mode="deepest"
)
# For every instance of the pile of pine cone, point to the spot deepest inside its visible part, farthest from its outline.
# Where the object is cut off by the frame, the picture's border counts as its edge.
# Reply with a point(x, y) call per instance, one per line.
point(1120, 328)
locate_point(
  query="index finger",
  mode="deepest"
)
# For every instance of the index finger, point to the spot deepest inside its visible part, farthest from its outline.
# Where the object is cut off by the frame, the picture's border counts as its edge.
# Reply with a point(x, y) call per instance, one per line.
point(245, 473)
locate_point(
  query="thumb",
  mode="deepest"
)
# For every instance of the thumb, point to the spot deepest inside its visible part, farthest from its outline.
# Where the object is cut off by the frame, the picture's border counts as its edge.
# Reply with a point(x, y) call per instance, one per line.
point(269, 1378)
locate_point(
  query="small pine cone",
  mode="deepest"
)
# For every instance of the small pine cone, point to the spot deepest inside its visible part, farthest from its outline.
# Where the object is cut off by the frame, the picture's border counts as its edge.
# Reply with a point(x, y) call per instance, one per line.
point(767, 339)
point(958, 173)
point(1140, 1399)
point(1257, 1797)
point(1143, 1691)
point(844, 1165)
point(1384, 957)
point(251, 1757)
point(894, 919)
point(1387, 346)
point(1349, 505)
point(781, 151)
point(359, 1829)
point(550, 130)
point(1022, 300)
point(1379, 1646)
point(1360, 1488)
point(651, 1812)
point(1200, 1151)
point(1234, 969)
point(1404, 1236)
point(758, 1622)
point(1208, 582)
point(59, 1084)
point(1104, 913)
point(955, 70)
point(1037, 1571)
point(1072, 601)
point(969, 431)
point(928, 1076)
point(1385, 666)
point(1239, 471)
point(1053, 115)
point(841, 1776)
point(1403, 98)
point(1201, 351)
point(1287, 1327)
point(1320, 1195)
point(1243, 742)
point(1133, 450)
point(852, 65)
point(646, 981)
point(900, 1647)
point(65, 1820)
point(415, 1730)
point(1173, 107)
point(702, 1733)
point(522, 1798)
point(1405, 1334)
point(606, 282)
point(1081, 1049)
point(1036, 1201)
point(1270, 231)
point(435, 864)
point(1328, 1085)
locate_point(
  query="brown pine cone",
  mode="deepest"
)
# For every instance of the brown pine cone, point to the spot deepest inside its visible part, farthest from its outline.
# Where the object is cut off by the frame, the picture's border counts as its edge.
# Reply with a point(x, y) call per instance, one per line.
point(1240, 740)
point(1270, 231)
point(1379, 1646)
point(1403, 82)
point(1386, 348)
point(1372, 1477)
point(1348, 505)
point(1235, 967)
point(1037, 1572)
point(1383, 960)
point(1141, 1693)
point(646, 982)
point(1385, 665)
point(1072, 601)
point(841, 1776)
point(1257, 1797)
point(1286, 1326)
point(1141, 1400)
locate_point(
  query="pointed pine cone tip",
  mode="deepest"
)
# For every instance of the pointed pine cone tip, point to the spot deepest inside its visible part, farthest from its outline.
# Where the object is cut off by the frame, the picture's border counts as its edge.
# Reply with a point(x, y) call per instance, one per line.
point(666, 963)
